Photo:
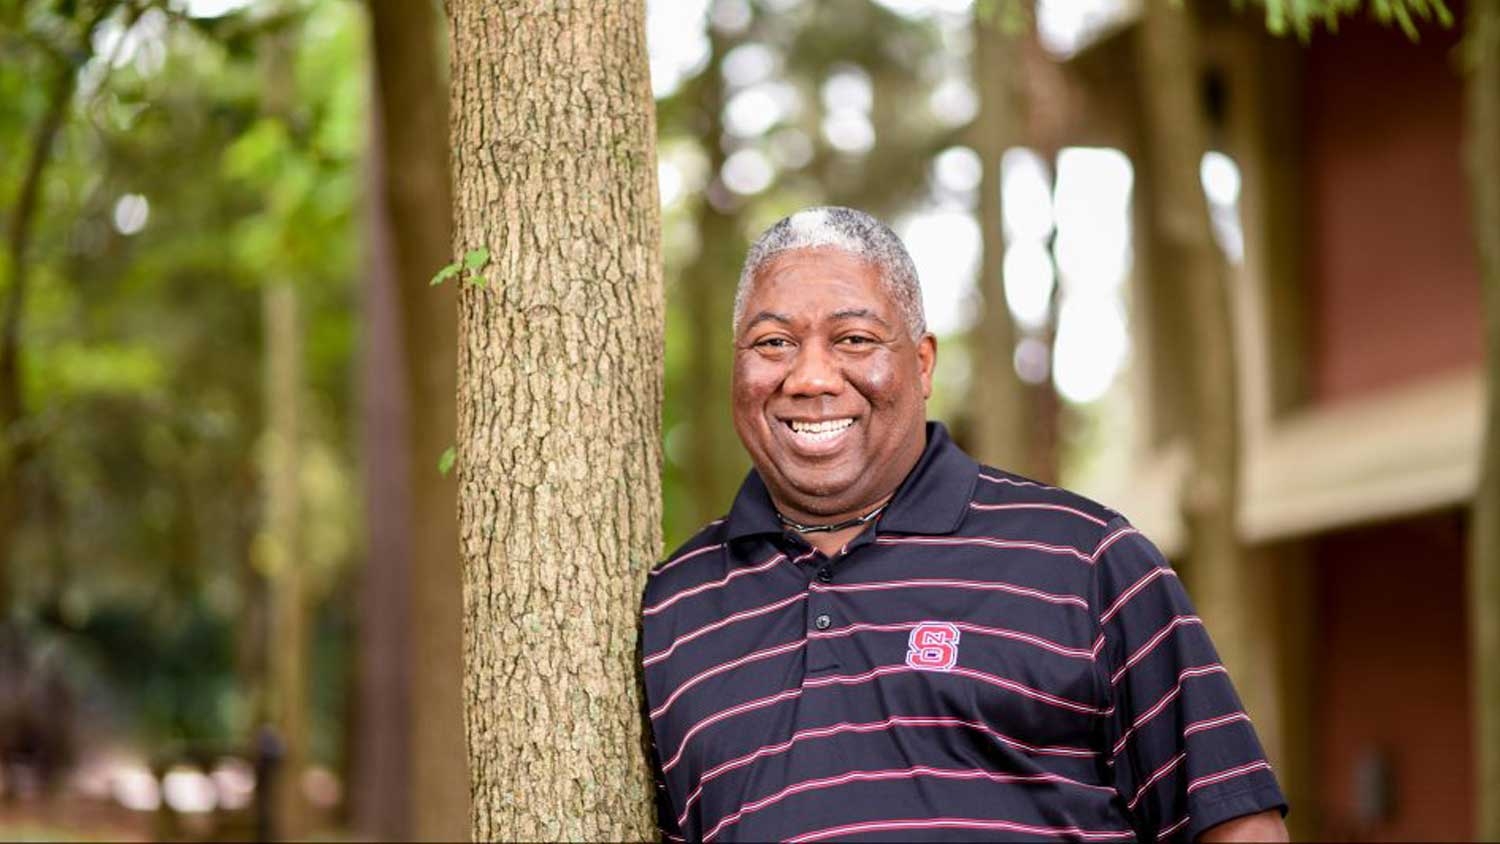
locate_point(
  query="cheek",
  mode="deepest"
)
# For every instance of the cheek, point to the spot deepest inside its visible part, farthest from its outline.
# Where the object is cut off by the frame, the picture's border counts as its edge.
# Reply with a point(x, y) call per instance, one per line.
point(752, 381)
point(881, 381)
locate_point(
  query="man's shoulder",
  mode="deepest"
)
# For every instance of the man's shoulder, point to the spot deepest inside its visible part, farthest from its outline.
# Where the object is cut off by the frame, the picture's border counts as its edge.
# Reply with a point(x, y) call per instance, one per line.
point(1002, 491)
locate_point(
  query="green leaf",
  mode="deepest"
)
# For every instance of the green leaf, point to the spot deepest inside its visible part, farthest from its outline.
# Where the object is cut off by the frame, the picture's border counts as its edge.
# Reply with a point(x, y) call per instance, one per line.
point(446, 461)
point(478, 281)
point(476, 258)
point(444, 274)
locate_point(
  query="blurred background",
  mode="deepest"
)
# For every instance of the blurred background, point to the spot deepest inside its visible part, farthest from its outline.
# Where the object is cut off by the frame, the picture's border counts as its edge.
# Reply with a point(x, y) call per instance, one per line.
point(214, 210)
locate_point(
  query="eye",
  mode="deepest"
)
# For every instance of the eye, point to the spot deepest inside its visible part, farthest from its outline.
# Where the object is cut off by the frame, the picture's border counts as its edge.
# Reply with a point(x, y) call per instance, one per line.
point(857, 340)
point(772, 343)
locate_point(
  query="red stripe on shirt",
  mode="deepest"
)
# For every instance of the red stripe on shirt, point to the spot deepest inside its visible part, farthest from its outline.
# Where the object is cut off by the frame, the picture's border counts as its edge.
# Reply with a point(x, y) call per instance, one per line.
point(685, 557)
point(720, 624)
point(764, 653)
point(987, 542)
point(713, 584)
point(1133, 590)
point(1156, 708)
point(1156, 639)
point(1037, 505)
point(1228, 774)
point(947, 583)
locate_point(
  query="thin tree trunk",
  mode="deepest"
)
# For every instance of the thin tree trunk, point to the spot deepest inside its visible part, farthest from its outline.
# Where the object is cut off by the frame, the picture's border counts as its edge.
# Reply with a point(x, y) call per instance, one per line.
point(418, 198)
point(1000, 410)
point(1188, 261)
point(559, 409)
point(280, 547)
point(379, 752)
point(1483, 144)
point(708, 285)
point(281, 553)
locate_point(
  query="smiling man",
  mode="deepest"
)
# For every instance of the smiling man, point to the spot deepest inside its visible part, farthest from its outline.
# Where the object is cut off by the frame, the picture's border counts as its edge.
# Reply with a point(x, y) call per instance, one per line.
point(886, 641)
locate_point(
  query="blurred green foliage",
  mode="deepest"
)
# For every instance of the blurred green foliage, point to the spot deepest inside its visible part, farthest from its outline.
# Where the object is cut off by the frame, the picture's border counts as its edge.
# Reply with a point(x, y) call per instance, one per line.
point(172, 194)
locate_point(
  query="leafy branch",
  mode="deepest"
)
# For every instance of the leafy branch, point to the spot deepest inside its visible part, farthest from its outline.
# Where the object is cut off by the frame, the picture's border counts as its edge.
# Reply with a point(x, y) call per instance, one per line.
point(1302, 15)
point(469, 266)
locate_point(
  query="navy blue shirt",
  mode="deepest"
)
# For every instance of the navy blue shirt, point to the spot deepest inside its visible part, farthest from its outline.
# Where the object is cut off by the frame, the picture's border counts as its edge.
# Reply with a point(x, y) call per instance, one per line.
point(993, 659)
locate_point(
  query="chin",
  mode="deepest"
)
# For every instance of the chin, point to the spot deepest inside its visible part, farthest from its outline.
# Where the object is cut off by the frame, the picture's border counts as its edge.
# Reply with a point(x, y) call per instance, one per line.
point(823, 499)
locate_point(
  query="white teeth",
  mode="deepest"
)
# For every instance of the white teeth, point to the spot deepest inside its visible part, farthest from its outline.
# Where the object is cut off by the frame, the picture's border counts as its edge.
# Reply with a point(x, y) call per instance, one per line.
point(821, 430)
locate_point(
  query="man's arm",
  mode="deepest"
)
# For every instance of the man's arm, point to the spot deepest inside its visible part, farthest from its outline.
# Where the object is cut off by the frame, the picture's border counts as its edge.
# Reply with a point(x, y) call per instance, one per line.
point(1261, 826)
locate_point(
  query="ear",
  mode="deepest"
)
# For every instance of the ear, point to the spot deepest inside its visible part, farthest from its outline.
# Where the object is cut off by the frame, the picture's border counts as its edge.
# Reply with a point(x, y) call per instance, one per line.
point(927, 362)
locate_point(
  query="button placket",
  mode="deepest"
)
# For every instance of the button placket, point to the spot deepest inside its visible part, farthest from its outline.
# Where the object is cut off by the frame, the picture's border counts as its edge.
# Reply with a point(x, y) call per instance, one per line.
point(820, 617)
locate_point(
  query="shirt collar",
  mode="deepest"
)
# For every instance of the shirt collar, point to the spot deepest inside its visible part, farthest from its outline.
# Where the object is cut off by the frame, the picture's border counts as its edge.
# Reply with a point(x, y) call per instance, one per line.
point(933, 499)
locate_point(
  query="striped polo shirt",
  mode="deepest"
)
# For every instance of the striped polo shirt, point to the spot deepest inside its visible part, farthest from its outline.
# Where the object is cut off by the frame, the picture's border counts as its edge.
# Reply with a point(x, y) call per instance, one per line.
point(993, 659)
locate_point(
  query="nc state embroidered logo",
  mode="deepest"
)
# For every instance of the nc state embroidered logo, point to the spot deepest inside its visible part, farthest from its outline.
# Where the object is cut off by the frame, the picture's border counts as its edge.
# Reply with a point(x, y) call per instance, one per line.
point(933, 646)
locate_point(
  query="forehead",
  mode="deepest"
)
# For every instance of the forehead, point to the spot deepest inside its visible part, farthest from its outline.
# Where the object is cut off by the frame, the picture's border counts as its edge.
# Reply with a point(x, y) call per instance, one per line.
point(811, 278)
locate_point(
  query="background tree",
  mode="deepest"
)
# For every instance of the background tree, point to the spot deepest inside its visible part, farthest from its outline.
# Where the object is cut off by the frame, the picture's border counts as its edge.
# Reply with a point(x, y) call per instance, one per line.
point(416, 200)
point(1187, 263)
point(380, 752)
point(559, 408)
point(170, 197)
point(1002, 417)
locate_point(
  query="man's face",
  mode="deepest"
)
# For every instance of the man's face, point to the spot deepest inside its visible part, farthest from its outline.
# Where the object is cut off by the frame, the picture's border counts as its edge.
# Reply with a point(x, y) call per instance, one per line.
point(829, 388)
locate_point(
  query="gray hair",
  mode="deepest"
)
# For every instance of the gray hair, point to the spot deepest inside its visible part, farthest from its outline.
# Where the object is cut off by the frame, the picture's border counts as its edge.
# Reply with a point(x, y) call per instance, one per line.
point(851, 231)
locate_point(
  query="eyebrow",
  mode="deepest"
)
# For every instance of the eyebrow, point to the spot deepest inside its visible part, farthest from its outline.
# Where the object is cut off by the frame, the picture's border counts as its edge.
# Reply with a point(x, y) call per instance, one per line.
point(859, 313)
point(766, 316)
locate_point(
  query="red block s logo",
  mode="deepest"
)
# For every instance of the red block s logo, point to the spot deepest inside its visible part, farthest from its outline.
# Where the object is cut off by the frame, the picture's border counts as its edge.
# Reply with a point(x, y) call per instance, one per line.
point(933, 646)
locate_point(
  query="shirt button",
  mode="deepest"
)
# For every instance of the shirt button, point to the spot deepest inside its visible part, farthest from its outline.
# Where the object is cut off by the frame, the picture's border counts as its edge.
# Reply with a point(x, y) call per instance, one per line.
point(825, 574)
point(823, 622)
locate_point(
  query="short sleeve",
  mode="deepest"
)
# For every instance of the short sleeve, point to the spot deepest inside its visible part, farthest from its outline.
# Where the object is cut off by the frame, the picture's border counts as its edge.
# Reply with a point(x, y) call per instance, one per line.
point(1184, 754)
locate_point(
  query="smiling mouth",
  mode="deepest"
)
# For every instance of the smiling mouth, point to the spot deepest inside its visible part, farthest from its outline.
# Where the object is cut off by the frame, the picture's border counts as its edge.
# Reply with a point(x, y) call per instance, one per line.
point(818, 432)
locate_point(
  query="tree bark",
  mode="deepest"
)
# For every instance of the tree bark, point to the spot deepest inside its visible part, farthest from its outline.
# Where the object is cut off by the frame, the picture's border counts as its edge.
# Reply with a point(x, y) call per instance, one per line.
point(1483, 144)
point(1186, 259)
point(1000, 410)
point(560, 386)
point(411, 92)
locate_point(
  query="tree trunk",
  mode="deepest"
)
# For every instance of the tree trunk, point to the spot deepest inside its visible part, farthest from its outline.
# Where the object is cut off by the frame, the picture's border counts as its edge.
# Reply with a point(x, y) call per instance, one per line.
point(558, 411)
point(708, 284)
point(279, 548)
point(280, 553)
point(379, 750)
point(418, 199)
point(1483, 144)
point(1186, 259)
point(1000, 409)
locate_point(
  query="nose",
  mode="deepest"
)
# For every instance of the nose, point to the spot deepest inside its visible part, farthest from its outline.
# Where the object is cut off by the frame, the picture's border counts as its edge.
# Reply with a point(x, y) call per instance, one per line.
point(814, 372)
